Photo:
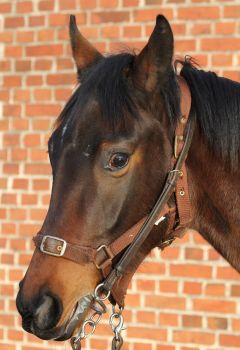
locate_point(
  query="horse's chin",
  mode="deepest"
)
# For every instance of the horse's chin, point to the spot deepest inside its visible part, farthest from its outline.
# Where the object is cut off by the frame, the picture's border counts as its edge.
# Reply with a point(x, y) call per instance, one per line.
point(69, 328)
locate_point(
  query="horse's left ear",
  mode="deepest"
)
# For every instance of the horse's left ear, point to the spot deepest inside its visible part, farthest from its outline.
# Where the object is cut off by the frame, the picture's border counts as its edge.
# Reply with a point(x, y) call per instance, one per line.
point(84, 53)
point(154, 61)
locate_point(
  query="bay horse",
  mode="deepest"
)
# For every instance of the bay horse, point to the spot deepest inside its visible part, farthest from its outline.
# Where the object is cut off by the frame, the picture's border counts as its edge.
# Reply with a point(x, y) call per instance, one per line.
point(111, 155)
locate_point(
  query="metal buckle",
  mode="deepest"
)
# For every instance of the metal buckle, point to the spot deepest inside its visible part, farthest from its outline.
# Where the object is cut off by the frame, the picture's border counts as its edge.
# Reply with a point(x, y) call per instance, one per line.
point(108, 254)
point(59, 248)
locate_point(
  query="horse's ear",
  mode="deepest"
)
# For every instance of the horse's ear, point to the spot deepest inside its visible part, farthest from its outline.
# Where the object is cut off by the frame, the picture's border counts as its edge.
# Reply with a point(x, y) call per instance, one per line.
point(154, 61)
point(83, 52)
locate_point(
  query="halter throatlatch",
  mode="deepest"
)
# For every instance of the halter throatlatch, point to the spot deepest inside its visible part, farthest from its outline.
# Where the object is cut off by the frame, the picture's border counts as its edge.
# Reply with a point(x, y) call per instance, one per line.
point(132, 239)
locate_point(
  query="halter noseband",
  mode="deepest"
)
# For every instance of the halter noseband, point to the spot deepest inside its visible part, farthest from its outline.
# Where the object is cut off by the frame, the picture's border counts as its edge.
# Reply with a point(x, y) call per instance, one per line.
point(133, 238)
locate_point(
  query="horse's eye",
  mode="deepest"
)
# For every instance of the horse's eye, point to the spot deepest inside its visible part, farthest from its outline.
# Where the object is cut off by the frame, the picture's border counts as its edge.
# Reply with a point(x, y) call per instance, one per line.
point(118, 161)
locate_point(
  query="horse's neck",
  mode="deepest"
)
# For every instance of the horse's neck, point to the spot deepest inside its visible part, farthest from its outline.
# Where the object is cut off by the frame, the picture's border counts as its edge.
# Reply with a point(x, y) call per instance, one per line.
point(215, 196)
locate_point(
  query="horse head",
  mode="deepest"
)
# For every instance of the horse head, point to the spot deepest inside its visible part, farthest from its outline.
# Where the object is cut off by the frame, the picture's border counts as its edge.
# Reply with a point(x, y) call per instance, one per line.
point(110, 153)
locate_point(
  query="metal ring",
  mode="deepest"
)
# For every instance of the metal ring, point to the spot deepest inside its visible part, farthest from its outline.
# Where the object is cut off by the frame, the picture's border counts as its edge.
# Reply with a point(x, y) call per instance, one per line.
point(101, 285)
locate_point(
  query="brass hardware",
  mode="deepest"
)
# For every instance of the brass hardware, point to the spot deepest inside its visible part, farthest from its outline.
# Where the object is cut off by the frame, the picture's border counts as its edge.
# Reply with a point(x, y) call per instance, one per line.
point(176, 140)
point(183, 119)
point(182, 192)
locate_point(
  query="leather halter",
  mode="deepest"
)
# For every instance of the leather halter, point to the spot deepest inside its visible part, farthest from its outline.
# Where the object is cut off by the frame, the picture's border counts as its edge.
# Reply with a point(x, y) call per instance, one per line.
point(134, 237)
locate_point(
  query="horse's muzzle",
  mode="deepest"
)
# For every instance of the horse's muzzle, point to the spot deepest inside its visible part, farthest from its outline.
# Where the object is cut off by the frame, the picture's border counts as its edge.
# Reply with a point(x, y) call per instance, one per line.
point(41, 316)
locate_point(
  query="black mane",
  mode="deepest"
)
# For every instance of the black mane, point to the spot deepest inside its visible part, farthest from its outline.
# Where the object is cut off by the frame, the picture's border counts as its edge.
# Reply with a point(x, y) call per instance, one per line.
point(217, 104)
point(216, 101)
point(107, 81)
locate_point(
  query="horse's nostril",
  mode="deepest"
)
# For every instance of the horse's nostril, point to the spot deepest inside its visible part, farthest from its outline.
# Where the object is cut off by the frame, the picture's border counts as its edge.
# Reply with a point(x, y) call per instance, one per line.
point(47, 312)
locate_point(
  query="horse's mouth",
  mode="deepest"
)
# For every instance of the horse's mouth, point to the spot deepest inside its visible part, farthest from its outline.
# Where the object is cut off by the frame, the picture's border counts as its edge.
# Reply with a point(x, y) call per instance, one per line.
point(68, 329)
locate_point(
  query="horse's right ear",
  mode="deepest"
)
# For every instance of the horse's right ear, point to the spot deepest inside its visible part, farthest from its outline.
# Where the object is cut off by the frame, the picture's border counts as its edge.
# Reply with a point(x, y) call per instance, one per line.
point(83, 52)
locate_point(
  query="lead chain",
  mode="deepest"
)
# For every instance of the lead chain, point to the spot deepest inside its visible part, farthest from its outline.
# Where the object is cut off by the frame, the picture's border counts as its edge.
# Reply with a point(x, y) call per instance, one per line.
point(99, 309)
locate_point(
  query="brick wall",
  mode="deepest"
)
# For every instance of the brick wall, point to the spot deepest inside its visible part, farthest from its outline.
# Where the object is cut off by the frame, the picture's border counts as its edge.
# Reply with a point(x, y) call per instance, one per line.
point(186, 298)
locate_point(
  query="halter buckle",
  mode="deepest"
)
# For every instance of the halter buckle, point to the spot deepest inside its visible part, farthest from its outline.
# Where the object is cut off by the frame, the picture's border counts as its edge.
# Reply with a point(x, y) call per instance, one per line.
point(106, 259)
point(53, 246)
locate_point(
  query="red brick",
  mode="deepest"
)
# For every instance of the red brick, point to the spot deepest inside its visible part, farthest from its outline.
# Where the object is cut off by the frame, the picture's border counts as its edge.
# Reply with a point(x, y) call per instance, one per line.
point(24, 7)
point(189, 270)
point(227, 272)
point(34, 80)
point(210, 12)
point(230, 340)
point(219, 44)
point(20, 124)
point(87, 4)
point(146, 317)
point(46, 35)
point(11, 140)
point(5, 7)
point(46, 5)
point(127, 3)
point(190, 321)
point(222, 306)
point(37, 169)
point(35, 21)
point(147, 333)
point(4, 66)
point(21, 96)
point(150, 14)
point(236, 325)
point(61, 79)
point(9, 81)
point(67, 5)
point(43, 64)
point(20, 184)
point(168, 319)
point(41, 185)
point(110, 17)
point(108, 3)
point(194, 253)
point(32, 140)
point(29, 199)
point(222, 60)
point(225, 28)
point(12, 111)
point(215, 289)
point(217, 323)
point(14, 22)
point(201, 28)
point(18, 154)
point(235, 290)
point(165, 302)
point(168, 286)
point(23, 65)
point(232, 11)
point(193, 337)
point(152, 268)
point(110, 32)
point(46, 110)
point(44, 50)
point(6, 37)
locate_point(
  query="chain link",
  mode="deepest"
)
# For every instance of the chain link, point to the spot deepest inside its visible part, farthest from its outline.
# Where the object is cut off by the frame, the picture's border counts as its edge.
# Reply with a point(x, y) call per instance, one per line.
point(116, 322)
